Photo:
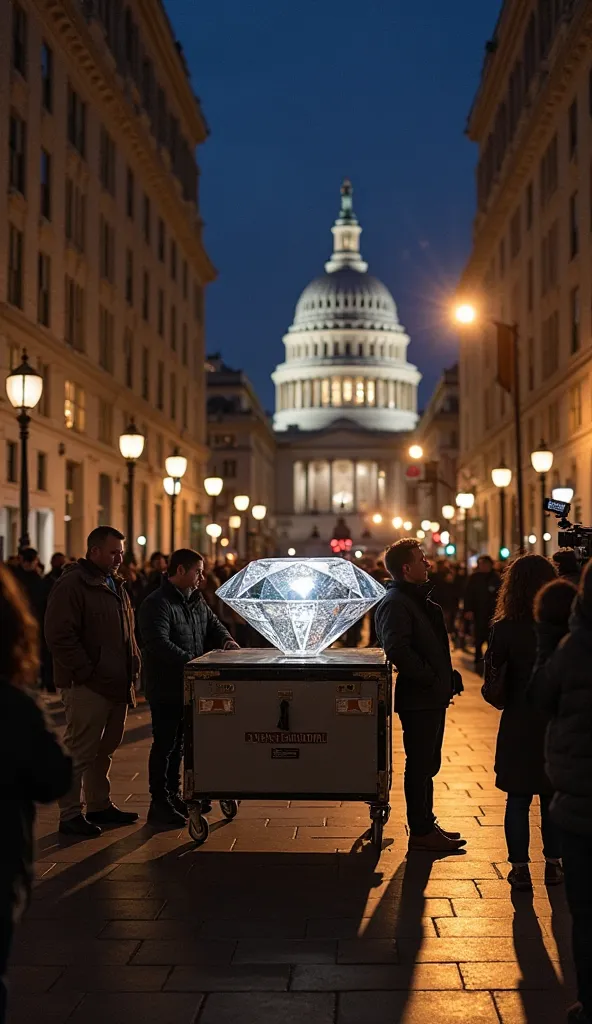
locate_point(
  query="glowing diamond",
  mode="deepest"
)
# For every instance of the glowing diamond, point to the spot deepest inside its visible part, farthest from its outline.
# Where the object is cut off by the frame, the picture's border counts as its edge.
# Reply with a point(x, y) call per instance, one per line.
point(301, 604)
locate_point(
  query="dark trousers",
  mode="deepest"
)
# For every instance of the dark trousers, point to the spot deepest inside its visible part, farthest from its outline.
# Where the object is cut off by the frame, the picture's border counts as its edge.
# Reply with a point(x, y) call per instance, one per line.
point(423, 733)
point(481, 638)
point(577, 862)
point(164, 762)
point(517, 828)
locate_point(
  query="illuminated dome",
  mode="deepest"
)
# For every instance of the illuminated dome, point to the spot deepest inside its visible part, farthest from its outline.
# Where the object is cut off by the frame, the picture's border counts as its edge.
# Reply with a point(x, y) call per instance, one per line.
point(346, 352)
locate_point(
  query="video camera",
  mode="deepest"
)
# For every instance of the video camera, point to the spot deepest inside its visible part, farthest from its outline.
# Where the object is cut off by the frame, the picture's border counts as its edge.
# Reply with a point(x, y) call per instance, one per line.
point(570, 535)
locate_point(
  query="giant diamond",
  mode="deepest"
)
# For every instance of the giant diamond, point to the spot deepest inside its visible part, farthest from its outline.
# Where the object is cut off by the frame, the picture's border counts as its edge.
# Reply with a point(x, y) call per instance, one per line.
point(301, 604)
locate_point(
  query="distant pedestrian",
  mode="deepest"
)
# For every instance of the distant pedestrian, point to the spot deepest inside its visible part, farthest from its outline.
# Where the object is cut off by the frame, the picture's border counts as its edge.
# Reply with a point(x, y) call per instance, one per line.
point(27, 574)
point(89, 627)
point(519, 756)
point(58, 561)
point(411, 630)
point(479, 604)
point(567, 564)
point(158, 566)
point(176, 625)
point(33, 766)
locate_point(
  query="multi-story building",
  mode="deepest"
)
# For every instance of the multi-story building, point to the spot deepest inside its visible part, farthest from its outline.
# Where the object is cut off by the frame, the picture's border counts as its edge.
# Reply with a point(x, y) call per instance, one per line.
point(531, 256)
point(242, 453)
point(102, 265)
point(437, 433)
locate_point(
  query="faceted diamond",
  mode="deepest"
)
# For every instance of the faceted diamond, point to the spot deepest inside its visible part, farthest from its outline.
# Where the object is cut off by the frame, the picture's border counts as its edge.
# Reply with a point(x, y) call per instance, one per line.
point(301, 605)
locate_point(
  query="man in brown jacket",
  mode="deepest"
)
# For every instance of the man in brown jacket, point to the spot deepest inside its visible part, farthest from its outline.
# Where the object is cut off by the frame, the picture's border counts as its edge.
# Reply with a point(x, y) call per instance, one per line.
point(89, 628)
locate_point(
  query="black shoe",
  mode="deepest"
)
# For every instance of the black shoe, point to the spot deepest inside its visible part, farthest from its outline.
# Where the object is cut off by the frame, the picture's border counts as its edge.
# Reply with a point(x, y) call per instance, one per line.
point(79, 826)
point(179, 804)
point(553, 873)
point(162, 812)
point(519, 878)
point(112, 816)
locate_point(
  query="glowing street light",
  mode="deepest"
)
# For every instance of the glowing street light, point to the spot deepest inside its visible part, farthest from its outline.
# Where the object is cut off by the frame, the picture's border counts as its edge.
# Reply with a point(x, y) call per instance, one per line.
point(415, 452)
point(397, 522)
point(407, 525)
point(377, 518)
point(542, 460)
point(131, 446)
point(24, 387)
point(425, 524)
point(448, 512)
point(420, 534)
point(465, 313)
point(502, 478)
point(466, 500)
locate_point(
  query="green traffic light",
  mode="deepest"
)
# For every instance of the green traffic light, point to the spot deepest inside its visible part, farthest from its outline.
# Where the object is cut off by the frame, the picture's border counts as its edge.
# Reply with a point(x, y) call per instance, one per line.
point(450, 549)
point(504, 553)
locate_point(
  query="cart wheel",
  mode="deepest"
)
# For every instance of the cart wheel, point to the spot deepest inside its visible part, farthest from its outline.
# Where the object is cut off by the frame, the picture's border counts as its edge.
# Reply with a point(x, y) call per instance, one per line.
point(199, 829)
point(376, 830)
point(229, 809)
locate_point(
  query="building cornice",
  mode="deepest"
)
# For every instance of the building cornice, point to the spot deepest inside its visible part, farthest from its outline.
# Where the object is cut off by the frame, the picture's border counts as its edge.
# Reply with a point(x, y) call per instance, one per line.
point(66, 20)
point(511, 25)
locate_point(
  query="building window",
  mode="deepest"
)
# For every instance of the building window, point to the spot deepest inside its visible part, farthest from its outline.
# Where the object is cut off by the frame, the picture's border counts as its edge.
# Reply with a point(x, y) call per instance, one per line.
point(573, 130)
point(15, 267)
point(160, 451)
point(160, 314)
point(550, 259)
point(19, 39)
point(174, 328)
point(129, 277)
point(370, 392)
point(76, 121)
point(530, 354)
point(549, 172)
point(530, 286)
point(160, 385)
point(43, 288)
point(529, 206)
point(197, 303)
point(107, 161)
point(158, 526)
point(145, 296)
point(145, 373)
point(41, 471)
point(74, 315)
point(161, 240)
point(106, 250)
point(574, 308)
point(74, 407)
point(44, 407)
point(173, 396)
point(45, 185)
point(575, 408)
point(17, 153)
point(184, 346)
point(184, 408)
point(554, 423)
point(515, 233)
point(502, 257)
point(46, 77)
point(128, 356)
point(550, 345)
point(106, 339)
point(75, 215)
point(146, 219)
point(105, 489)
point(130, 193)
point(229, 468)
point(185, 279)
point(573, 226)
point(174, 261)
point(11, 462)
point(105, 422)
point(148, 86)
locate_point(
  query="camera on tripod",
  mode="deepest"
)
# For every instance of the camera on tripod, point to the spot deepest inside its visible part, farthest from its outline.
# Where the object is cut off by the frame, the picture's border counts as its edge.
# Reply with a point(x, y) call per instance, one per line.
point(570, 535)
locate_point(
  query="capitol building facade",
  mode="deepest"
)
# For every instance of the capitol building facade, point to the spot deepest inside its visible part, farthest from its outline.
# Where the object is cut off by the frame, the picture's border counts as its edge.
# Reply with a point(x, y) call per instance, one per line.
point(346, 400)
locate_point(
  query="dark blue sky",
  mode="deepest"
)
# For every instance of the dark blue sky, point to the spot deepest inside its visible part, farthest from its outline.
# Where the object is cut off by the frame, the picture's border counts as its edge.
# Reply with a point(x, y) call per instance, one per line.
point(299, 95)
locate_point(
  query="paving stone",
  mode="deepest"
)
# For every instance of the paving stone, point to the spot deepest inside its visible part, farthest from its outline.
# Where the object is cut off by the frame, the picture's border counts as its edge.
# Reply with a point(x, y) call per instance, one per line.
point(538, 975)
point(526, 1006)
point(49, 1008)
point(239, 978)
point(253, 928)
point(63, 952)
point(104, 909)
point(355, 978)
point(186, 950)
point(489, 926)
point(299, 951)
point(462, 867)
point(159, 930)
point(93, 978)
point(268, 1008)
point(32, 979)
point(367, 951)
point(416, 1008)
point(501, 908)
point(146, 1008)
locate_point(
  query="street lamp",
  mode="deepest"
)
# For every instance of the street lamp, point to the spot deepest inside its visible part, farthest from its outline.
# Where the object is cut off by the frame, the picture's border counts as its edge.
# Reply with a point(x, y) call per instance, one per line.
point(214, 531)
point(259, 512)
point(502, 478)
point(131, 446)
point(213, 487)
point(448, 512)
point(397, 522)
point(407, 525)
point(377, 518)
point(542, 460)
point(425, 524)
point(434, 526)
point(24, 387)
point(562, 494)
point(241, 504)
point(508, 341)
point(415, 452)
point(466, 500)
point(176, 467)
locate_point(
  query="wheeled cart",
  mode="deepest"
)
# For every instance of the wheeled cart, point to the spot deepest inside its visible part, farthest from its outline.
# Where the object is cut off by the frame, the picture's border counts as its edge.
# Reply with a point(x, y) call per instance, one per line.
point(260, 724)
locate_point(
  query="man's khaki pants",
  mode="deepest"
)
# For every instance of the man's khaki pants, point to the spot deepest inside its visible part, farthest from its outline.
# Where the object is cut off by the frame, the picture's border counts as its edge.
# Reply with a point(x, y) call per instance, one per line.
point(94, 730)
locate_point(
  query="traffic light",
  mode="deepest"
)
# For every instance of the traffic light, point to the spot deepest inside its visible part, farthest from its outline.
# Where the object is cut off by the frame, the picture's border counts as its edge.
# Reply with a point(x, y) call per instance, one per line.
point(504, 553)
point(450, 549)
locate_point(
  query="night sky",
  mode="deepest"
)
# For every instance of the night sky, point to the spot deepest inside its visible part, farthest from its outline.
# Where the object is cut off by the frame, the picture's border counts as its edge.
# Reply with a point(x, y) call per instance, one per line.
point(300, 95)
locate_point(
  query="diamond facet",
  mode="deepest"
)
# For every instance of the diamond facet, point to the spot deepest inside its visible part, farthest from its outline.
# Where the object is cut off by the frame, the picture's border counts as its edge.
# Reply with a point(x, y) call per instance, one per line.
point(301, 605)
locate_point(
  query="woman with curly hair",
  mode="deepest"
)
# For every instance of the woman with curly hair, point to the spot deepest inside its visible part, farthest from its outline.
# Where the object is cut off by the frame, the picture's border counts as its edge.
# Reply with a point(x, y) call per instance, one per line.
point(519, 756)
point(33, 766)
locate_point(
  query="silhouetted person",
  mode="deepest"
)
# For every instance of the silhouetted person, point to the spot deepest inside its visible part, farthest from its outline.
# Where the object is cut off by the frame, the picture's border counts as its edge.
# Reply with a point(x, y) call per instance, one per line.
point(567, 564)
point(479, 603)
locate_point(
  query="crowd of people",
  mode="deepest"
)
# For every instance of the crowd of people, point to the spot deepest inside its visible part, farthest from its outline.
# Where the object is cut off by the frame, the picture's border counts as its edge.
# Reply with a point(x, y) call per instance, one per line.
point(102, 630)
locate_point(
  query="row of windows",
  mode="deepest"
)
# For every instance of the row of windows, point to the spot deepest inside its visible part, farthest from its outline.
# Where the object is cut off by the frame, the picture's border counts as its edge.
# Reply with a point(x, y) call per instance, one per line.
point(343, 391)
point(75, 410)
point(346, 302)
point(339, 486)
point(327, 349)
point(123, 38)
point(12, 467)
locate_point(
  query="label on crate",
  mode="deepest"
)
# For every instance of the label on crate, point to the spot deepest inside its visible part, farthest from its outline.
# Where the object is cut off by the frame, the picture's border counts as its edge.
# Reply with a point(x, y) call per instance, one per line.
point(354, 706)
point(222, 687)
point(285, 737)
point(285, 753)
point(348, 687)
point(216, 706)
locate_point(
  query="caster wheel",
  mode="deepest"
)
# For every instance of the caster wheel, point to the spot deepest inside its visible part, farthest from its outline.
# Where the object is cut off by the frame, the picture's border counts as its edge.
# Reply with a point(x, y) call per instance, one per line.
point(229, 809)
point(199, 829)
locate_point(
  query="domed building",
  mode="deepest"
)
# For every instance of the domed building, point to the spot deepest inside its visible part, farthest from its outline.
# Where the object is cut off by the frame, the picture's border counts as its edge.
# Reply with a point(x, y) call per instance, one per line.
point(346, 398)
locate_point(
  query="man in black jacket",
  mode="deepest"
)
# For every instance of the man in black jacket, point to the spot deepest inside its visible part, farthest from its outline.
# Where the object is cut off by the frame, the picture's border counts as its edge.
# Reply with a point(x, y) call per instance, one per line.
point(176, 625)
point(411, 629)
point(479, 604)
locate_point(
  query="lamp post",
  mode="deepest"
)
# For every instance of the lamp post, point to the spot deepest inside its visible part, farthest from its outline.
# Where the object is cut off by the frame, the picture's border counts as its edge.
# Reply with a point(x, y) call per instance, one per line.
point(214, 531)
point(259, 512)
point(542, 460)
point(24, 387)
point(241, 504)
point(234, 523)
point(131, 446)
point(176, 467)
point(466, 500)
point(508, 341)
point(502, 478)
point(213, 487)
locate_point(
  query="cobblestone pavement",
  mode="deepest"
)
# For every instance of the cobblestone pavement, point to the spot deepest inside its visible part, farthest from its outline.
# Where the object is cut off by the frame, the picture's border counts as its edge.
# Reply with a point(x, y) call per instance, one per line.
point(285, 914)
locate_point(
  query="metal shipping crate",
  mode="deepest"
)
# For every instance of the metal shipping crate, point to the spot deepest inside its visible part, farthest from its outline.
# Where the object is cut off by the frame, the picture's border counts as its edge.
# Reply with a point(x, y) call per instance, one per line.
point(260, 724)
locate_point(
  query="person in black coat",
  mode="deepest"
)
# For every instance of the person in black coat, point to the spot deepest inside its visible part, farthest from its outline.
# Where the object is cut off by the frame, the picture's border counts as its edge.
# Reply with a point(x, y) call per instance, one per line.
point(564, 691)
point(411, 630)
point(176, 625)
point(33, 766)
point(567, 564)
point(479, 604)
point(519, 755)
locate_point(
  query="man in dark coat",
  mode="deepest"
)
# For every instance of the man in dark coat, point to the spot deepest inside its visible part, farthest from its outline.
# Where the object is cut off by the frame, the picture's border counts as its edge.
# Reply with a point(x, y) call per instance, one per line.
point(479, 604)
point(176, 625)
point(564, 691)
point(410, 627)
point(32, 582)
point(567, 564)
